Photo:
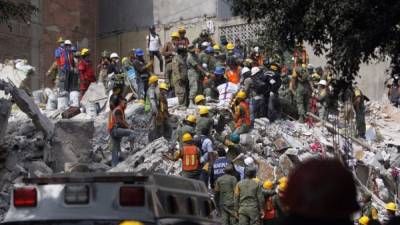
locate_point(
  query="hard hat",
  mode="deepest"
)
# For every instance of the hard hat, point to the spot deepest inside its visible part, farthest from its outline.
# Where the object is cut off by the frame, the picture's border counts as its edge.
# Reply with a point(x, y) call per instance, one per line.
point(60, 40)
point(182, 30)
point(235, 138)
point(230, 46)
point(203, 110)
point(205, 44)
point(255, 70)
point(175, 34)
point(315, 76)
point(283, 180)
point(114, 55)
point(282, 186)
point(241, 95)
point(139, 52)
point(219, 70)
point(248, 161)
point(209, 49)
point(191, 118)
point(199, 98)
point(357, 92)
point(187, 137)
point(124, 60)
point(163, 86)
point(364, 220)
point(216, 48)
point(245, 70)
point(67, 42)
point(84, 51)
point(268, 185)
point(131, 222)
point(153, 79)
point(256, 49)
point(322, 82)
point(391, 206)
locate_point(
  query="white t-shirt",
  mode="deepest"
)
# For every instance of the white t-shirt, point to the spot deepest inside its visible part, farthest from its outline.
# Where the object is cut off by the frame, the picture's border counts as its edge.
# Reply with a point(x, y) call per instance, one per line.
point(154, 42)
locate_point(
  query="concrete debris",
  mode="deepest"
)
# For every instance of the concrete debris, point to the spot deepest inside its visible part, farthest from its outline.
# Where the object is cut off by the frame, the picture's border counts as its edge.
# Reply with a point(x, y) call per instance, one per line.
point(5, 111)
point(17, 72)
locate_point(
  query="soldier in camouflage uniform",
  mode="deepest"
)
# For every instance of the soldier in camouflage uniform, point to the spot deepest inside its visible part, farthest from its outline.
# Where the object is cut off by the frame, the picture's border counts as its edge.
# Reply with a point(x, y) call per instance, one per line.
point(188, 126)
point(204, 121)
point(180, 76)
point(359, 108)
point(302, 88)
point(249, 199)
point(224, 195)
point(195, 72)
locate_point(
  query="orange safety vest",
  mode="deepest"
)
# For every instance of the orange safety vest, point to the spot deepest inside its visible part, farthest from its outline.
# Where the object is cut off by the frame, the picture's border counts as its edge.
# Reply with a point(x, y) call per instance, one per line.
point(244, 115)
point(269, 211)
point(112, 120)
point(233, 76)
point(190, 158)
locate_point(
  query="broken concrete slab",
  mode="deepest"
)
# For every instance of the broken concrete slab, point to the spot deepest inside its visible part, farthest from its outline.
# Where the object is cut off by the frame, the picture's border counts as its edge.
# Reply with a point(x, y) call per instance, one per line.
point(95, 93)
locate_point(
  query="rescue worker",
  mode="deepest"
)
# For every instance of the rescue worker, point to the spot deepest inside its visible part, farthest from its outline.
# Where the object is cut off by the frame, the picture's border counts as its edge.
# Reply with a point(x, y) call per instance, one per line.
point(86, 72)
point(280, 210)
point(143, 73)
point(116, 75)
point(218, 166)
point(203, 37)
point(200, 100)
point(195, 72)
point(188, 126)
point(65, 61)
point(129, 70)
point(322, 99)
point(53, 71)
point(240, 50)
point(102, 67)
point(359, 108)
point(273, 82)
point(269, 210)
point(301, 87)
point(394, 91)
point(204, 121)
point(233, 72)
point(190, 155)
point(391, 209)
point(169, 51)
point(224, 195)
point(367, 209)
point(118, 128)
point(183, 41)
point(212, 82)
point(284, 91)
point(249, 200)
point(241, 114)
point(208, 155)
point(154, 46)
point(256, 100)
point(180, 76)
point(364, 220)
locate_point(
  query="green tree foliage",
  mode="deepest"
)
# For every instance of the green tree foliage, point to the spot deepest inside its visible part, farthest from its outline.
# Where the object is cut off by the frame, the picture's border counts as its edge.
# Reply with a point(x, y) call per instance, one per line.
point(21, 10)
point(349, 32)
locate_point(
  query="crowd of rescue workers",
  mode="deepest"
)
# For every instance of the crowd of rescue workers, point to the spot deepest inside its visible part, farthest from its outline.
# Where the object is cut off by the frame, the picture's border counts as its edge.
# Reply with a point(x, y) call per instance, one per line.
point(195, 72)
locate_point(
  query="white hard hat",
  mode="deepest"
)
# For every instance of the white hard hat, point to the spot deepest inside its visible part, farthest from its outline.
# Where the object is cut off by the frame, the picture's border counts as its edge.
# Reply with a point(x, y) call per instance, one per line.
point(205, 44)
point(248, 161)
point(67, 42)
point(256, 49)
point(114, 55)
point(322, 82)
point(245, 70)
point(255, 70)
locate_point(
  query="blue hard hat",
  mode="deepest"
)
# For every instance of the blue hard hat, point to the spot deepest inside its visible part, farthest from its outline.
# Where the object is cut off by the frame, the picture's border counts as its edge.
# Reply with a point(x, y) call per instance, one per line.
point(139, 52)
point(235, 138)
point(209, 49)
point(219, 70)
point(73, 49)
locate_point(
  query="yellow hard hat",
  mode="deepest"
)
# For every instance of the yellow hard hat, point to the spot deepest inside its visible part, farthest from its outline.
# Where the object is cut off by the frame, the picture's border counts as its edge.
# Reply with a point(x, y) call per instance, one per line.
point(216, 48)
point(84, 52)
point(282, 186)
point(241, 95)
point(268, 185)
point(181, 29)
point(274, 67)
point(131, 222)
point(364, 220)
point(357, 92)
point(203, 110)
point(304, 66)
point(187, 137)
point(191, 118)
point(153, 79)
point(391, 206)
point(283, 180)
point(124, 60)
point(175, 34)
point(230, 46)
point(163, 86)
point(199, 98)
point(60, 40)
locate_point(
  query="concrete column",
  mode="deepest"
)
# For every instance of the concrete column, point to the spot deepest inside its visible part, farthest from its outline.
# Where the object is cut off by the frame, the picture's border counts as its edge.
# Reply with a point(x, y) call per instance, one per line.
point(38, 80)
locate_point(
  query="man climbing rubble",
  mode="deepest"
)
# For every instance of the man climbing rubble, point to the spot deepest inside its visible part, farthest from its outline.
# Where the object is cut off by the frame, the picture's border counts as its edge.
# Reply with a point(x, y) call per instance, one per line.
point(187, 126)
point(301, 87)
point(241, 114)
point(86, 72)
point(118, 127)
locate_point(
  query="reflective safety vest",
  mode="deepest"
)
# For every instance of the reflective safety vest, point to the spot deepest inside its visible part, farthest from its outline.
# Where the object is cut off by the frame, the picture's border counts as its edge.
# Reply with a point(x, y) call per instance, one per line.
point(112, 120)
point(66, 59)
point(190, 158)
point(269, 211)
point(233, 76)
point(244, 115)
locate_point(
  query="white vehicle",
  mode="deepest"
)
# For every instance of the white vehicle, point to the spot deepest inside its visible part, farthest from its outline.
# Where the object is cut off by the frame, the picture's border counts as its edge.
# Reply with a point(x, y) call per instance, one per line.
point(109, 198)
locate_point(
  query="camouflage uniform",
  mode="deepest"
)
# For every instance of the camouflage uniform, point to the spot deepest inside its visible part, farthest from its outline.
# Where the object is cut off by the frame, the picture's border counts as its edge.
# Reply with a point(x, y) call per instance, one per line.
point(204, 123)
point(224, 188)
point(182, 130)
point(303, 94)
point(249, 202)
point(179, 78)
point(192, 62)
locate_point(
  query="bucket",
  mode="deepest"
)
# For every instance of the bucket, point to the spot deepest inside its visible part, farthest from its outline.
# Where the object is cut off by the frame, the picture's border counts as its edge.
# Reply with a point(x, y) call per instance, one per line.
point(62, 102)
point(92, 109)
point(51, 102)
point(74, 98)
point(38, 96)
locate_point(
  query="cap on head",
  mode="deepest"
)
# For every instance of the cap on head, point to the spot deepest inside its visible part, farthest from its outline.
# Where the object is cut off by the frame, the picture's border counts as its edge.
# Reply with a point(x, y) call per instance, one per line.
point(203, 110)
point(114, 55)
point(219, 70)
point(175, 34)
point(67, 42)
point(163, 86)
point(235, 138)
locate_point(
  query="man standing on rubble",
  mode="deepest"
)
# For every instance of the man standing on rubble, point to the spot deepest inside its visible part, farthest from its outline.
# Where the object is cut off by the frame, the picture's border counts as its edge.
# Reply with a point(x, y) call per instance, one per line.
point(103, 67)
point(116, 75)
point(204, 121)
point(301, 87)
point(249, 200)
point(179, 74)
point(224, 195)
point(188, 126)
point(119, 128)
point(153, 46)
point(65, 61)
point(143, 73)
point(359, 108)
point(169, 51)
point(194, 74)
point(157, 101)
point(241, 114)
point(322, 99)
point(86, 72)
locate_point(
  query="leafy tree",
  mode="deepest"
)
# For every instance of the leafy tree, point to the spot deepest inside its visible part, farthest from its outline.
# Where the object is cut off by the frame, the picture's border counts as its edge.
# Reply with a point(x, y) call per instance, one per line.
point(16, 10)
point(348, 32)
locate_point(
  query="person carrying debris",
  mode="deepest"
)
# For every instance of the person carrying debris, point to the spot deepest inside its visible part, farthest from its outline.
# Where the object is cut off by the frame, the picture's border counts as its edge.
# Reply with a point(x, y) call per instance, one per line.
point(188, 126)
point(249, 200)
point(241, 114)
point(301, 87)
point(143, 73)
point(118, 128)
point(204, 121)
point(153, 46)
point(190, 155)
point(194, 74)
point(169, 51)
point(179, 74)
point(224, 195)
point(359, 108)
point(86, 73)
